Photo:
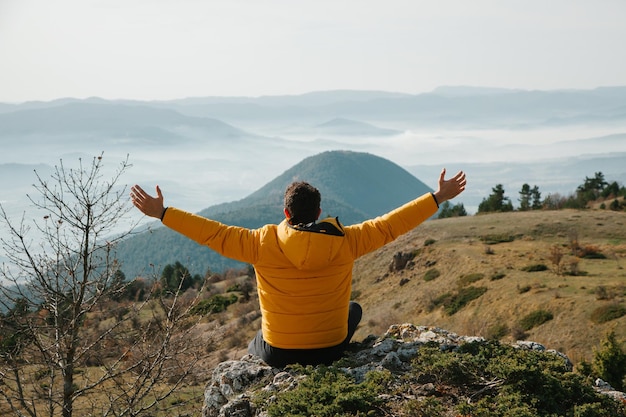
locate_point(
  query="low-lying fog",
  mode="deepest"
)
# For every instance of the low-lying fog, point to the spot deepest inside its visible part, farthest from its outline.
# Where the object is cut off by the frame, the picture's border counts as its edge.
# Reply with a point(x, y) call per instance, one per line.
point(199, 176)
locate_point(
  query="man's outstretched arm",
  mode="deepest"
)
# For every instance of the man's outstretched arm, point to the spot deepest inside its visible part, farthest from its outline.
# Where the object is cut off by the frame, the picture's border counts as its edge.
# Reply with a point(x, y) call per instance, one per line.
point(233, 242)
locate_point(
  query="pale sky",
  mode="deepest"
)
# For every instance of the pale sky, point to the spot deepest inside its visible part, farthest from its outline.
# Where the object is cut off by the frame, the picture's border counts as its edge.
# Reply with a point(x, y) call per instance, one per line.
point(165, 49)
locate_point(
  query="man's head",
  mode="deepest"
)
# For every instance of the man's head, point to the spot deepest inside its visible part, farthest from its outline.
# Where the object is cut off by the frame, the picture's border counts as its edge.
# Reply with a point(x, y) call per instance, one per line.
point(302, 203)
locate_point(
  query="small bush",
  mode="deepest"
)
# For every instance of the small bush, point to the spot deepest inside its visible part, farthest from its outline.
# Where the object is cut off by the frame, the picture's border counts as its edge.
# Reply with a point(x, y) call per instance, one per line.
point(607, 313)
point(556, 256)
point(534, 319)
point(495, 239)
point(601, 293)
point(590, 252)
point(609, 362)
point(608, 293)
point(523, 289)
point(498, 275)
point(497, 331)
point(470, 278)
point(574, 267)
point(535, 268)
point(429, 242)
point(215, 304)
point(431, 274)
point(441, 300)
point(329, 392)
point(496, 380)
point(453, 302)
point(518, 333)
point(427, 407)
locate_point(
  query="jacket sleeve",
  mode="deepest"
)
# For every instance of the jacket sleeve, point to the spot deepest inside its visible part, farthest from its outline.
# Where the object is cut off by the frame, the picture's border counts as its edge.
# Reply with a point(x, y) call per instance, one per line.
point(372, 234)
point(234, 242)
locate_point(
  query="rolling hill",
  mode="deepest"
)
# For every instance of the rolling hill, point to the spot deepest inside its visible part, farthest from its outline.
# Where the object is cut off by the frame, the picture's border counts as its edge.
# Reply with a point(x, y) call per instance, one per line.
point(500, 254)
point(354, 186)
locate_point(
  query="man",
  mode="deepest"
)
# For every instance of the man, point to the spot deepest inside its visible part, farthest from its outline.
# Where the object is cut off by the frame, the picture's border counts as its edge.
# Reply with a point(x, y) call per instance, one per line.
point(303, 266)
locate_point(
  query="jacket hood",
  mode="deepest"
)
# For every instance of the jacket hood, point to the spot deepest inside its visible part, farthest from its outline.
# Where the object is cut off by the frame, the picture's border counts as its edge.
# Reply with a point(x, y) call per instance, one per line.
point(312, 246)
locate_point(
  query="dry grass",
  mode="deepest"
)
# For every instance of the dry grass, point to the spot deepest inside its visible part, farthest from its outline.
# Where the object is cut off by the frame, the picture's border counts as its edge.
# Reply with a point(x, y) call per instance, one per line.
point(460, 251)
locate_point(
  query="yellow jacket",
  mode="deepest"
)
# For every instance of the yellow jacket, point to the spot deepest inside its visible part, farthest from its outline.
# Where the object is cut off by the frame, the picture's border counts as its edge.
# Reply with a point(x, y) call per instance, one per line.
point(304, 276)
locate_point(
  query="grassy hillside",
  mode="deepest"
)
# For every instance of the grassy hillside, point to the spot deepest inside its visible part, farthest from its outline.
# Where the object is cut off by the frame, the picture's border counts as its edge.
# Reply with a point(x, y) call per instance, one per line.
point(464, 253)
point(490, 252)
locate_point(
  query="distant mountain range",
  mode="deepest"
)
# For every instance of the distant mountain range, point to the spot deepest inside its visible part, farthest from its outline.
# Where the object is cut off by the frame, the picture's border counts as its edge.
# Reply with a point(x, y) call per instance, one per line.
point(111, 121)
point(355, 186)
point(454, 106)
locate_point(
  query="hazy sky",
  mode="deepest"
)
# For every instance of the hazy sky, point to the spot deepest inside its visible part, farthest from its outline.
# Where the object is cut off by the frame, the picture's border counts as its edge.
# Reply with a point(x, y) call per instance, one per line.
point(161, 49)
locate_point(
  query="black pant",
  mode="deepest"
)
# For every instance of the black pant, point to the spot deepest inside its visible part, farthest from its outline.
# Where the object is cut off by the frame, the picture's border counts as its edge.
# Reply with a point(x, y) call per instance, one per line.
point(279, 358)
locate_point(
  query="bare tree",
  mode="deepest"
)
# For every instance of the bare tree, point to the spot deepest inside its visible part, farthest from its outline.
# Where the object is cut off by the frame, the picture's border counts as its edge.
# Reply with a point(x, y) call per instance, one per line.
point(55, 294)
point(556, 257)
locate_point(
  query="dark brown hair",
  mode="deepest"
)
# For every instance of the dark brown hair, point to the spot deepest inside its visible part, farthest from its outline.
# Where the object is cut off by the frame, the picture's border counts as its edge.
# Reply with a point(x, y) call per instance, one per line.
point(302, 202)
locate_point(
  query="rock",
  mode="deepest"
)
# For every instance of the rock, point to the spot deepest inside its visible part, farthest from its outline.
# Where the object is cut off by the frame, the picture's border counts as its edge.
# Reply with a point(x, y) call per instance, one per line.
point(525, 344)
point(400, 261)
point(606, 388)
point(225, 395)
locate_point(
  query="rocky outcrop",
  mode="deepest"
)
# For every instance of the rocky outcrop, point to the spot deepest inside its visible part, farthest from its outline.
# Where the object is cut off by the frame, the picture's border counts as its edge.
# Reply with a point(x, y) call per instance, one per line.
point(401, 260)
point(234, 383)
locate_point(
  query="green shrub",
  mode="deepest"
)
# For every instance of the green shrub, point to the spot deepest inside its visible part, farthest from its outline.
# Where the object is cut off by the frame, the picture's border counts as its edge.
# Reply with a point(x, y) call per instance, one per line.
point(607, 313)
point(592, 410)
point(534, 319)
point(497, 331)
point(535, 268)
point(498, 275)
point(429, 242)
point(427, 407)
point(470, 278)
point(495, 239)
point(494, 380)
point(453, 302)
point(215, 304)
point(595, 256)
point(609, 362)
point(431, 274)
point(329, 392)
point(480, 379)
